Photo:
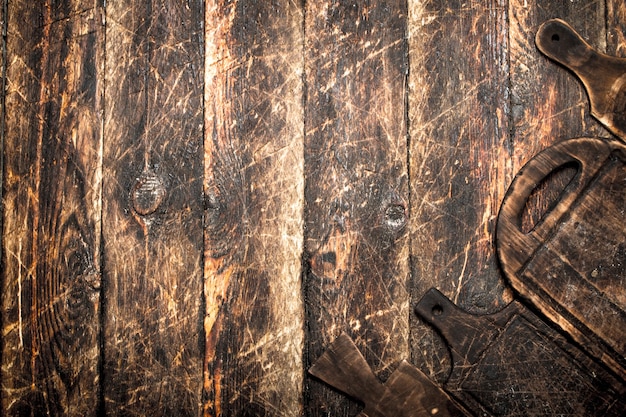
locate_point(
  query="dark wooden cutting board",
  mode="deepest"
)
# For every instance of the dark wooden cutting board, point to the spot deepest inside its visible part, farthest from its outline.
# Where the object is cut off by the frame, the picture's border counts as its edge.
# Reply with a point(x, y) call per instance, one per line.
point(603, 76)
point(512, 363)
point(572, 264)
point(406, 393)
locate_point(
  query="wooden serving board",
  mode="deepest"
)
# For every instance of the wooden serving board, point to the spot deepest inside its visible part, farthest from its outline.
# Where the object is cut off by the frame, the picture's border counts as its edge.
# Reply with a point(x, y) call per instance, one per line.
point(406, 393)
point(572, 264)
point(512, 363)
point(603, 76)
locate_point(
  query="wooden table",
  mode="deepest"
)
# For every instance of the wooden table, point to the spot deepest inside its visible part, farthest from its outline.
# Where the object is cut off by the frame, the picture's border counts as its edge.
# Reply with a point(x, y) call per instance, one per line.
point(198, 197)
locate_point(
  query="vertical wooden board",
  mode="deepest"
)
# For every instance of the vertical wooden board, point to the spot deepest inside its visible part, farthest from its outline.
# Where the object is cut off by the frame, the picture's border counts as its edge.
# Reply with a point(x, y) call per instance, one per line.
point(254, 187)
point(3, 50)
point(152, 208)
point(51, 209)
point(356, 192)
point(459, 158)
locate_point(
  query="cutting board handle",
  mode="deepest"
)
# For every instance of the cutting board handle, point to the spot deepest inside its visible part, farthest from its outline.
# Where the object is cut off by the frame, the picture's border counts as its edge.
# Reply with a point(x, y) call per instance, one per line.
point(516, 246)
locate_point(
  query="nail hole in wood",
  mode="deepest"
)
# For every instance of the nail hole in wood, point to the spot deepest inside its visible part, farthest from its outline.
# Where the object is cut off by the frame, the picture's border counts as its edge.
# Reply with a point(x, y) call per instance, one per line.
point(555, 37)
point(437, 310)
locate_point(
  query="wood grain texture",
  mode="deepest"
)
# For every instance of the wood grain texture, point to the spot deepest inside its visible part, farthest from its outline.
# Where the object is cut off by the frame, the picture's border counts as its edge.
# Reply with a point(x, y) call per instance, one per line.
point(152, 209)
point(344, 158)
point(51, 208)
point(3, 68)
point(616, 28)
point(459, 157)
point(254, 186)
point(356, 191)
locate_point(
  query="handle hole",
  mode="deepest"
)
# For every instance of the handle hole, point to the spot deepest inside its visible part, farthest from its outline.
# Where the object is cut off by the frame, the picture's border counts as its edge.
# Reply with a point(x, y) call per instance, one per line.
point(437, 310)
point(555, 37)
point(546, 195)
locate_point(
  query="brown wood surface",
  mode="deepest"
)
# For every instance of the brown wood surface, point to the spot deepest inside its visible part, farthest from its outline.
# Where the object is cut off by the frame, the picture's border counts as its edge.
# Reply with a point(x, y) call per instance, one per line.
point(345, 157)
point(254, 202)
point(616, 28)
point(356, 187)
point(51, 207)
point(152, 209)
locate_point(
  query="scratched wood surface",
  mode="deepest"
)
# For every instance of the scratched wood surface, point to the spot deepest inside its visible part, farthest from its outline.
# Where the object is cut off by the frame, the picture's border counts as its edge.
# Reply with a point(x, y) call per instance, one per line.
point(199, 196)
point(51, 206)
point(459, 157)
point(152, 209)
point(616, 28)
point(492, 101)
point(253, 213)
point(561, 107)
point(356, 188)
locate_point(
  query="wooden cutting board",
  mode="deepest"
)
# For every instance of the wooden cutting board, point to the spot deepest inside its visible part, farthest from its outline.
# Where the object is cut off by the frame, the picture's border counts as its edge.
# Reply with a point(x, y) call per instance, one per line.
point(406, 393)
point(603, 76)
point(572, 264)
point(512, 363)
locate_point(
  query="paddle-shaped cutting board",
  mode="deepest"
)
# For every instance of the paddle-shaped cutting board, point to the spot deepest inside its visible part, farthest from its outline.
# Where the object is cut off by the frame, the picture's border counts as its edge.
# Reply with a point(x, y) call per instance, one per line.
point(407, 392)
point(572, 264)
point(603, 76)
point(512, 363)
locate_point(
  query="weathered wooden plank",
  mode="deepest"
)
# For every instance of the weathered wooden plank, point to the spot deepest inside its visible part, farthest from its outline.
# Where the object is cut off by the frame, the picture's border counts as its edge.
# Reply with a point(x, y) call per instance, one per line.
point(356, 192)
point(560, 107)
point(3, 50)
point(254, 202)
point(459, 157)
point(152, 211)
point(51, 202)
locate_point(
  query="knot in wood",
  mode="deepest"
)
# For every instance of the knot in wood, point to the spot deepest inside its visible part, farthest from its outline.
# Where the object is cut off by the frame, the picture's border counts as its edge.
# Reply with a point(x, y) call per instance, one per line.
point(394, 216)
point(148, 193)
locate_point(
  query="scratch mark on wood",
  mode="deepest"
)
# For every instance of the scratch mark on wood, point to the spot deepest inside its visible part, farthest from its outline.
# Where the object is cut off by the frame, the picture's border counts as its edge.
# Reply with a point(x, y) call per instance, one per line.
point(459, 284)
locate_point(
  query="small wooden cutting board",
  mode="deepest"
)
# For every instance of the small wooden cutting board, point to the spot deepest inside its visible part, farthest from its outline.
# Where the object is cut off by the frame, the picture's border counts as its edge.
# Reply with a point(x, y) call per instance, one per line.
point(512, 363)
point(603, 76)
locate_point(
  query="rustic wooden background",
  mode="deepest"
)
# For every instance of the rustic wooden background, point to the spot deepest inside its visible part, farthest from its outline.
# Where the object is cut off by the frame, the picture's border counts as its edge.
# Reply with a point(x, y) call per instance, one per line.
point(199, 196)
